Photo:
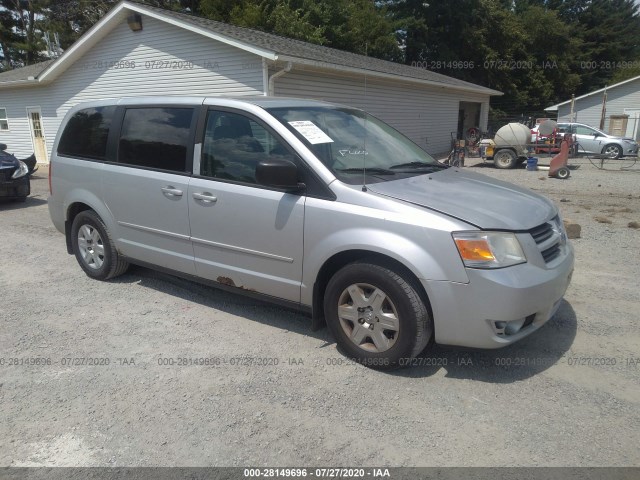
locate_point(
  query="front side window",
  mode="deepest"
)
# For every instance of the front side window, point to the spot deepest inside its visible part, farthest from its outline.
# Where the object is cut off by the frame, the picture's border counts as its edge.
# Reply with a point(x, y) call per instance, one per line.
point(86, 133)
point(234, 145)
point(352, 144)
point(4, 122)
point(156, 137)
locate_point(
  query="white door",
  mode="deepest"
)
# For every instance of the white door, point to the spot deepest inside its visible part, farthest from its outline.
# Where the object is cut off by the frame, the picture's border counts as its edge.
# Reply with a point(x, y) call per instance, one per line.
point(37, 134)
point(633, 123)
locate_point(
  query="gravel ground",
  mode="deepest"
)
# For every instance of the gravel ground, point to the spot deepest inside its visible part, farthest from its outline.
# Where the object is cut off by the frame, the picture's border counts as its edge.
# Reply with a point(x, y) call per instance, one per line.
point(530, 404)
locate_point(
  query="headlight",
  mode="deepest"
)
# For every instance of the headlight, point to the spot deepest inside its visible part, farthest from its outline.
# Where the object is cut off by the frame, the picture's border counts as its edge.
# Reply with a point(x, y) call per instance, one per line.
point(489, 249)
point(21, 171)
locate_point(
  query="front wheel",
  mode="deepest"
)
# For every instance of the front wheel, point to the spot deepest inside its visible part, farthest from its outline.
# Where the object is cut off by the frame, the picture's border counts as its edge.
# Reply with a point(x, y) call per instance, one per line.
point(93, 247)
point(376, 316)
point(504, 159)
point(612, 151)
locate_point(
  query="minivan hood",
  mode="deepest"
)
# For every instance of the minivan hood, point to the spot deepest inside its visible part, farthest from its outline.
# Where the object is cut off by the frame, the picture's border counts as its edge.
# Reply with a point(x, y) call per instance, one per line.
point(474, 198)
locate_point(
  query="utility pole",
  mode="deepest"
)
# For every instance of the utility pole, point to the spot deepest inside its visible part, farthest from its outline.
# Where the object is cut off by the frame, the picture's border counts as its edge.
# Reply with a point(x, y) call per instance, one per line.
point(603, 115)
point(573, 105)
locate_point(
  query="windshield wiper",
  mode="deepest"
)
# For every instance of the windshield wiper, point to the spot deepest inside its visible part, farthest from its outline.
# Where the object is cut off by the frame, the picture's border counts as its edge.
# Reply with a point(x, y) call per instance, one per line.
point(433, 166)
point(374, 170)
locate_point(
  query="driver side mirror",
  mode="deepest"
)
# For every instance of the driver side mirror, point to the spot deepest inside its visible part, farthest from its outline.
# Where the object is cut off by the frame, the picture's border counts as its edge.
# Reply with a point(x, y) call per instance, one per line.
point(3, 147)
point(278, 173)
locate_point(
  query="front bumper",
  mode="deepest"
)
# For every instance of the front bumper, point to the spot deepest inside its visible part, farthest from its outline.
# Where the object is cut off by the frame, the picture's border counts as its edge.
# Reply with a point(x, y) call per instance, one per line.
point(18, 188)
point(498, 307)
point(631, 150)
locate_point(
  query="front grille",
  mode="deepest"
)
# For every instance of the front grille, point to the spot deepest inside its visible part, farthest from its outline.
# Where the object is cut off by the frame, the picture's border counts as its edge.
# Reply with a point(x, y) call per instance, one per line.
point(551, 253)
point(5, 174)
point(549, 246)
point(542, 232)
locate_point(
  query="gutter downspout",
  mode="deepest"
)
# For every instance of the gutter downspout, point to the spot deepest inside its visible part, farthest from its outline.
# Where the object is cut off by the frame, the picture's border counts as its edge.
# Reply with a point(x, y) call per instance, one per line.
point(272, 78)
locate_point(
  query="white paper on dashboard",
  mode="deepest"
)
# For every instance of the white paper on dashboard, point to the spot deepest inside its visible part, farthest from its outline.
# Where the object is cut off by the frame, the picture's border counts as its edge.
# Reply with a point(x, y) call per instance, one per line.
point(311, 132)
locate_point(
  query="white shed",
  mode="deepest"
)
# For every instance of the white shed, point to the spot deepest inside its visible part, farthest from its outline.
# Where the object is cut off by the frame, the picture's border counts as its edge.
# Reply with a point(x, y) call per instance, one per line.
point(141, 50)
point(622, 109)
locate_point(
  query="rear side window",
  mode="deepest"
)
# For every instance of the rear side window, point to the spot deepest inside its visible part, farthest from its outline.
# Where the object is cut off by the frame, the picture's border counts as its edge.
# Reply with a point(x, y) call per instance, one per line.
point(156, 137)
point(86, 133)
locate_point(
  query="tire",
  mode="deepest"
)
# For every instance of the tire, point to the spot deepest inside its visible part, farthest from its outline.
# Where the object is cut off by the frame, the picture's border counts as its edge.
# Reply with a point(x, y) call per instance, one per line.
point(504, 159)
point(93, 247)
point(612, 150)
point(361, 295)
point(563, 173)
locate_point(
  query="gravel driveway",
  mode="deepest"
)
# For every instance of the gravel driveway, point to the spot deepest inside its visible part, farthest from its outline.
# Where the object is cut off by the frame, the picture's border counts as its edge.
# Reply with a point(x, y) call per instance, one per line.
point(151, 370)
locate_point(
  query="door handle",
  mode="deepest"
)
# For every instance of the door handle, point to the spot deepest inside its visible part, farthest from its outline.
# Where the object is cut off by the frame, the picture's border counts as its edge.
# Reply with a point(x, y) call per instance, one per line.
point(172, 191)
point(205, 197)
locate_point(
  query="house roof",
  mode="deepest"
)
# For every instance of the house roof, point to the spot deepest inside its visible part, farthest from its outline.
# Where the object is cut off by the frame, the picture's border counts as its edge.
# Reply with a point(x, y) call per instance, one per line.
point(267, 45)
point(290, 49)
point(554, 108)
point(24, 73)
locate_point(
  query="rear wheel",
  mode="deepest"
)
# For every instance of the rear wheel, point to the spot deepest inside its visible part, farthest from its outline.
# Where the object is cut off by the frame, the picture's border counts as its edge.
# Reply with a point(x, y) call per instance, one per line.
point(504, 159)
point(376, 316)
point(93, 247)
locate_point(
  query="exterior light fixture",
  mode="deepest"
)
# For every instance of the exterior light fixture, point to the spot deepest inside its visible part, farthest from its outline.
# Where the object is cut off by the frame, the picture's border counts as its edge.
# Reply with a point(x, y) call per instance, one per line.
point(135, 22)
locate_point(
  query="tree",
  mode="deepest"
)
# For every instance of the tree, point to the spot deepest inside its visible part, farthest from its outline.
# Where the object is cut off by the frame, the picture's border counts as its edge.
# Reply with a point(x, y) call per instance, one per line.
point(8, 39)
point(358, 26)
point(22, 42)
point(610, 34)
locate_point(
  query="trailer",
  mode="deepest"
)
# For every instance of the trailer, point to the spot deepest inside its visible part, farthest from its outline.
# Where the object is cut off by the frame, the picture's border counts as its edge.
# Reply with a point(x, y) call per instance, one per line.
point(512, 146)
point(509, 146)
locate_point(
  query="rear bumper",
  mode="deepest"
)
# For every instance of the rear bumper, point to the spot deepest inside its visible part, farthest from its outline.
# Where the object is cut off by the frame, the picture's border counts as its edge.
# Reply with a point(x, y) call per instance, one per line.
point(498, 307)
point(19, 188)
point(57, 214)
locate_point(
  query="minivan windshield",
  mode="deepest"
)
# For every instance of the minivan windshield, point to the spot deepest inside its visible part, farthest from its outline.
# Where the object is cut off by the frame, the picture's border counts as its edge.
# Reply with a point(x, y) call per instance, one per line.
point(356, 146)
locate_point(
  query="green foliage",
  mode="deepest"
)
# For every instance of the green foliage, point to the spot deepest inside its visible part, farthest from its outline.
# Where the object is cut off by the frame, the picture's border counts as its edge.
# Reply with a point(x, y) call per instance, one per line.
point(538, 52)
point(358, 26)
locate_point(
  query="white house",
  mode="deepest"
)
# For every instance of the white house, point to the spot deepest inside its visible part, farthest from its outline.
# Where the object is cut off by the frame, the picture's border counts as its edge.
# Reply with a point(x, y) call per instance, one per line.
point(622, 109)
point(142, 50)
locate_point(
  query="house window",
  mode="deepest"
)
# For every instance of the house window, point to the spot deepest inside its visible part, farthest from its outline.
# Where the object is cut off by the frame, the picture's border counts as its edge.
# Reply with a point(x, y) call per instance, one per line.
point(4, 122)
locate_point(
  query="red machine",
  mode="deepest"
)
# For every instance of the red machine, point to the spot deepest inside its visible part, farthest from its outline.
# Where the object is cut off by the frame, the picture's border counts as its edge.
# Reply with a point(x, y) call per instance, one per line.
point(559, 163)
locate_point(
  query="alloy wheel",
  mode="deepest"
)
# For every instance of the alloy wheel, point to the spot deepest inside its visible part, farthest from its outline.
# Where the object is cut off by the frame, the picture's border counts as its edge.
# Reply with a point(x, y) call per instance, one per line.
point(368, 317)
point(91, 246)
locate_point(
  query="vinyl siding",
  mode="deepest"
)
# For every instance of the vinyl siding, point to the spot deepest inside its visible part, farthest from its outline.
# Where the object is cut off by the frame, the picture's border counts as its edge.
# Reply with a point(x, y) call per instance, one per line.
point(589, 109)
point(217, 69)
point(425, 114)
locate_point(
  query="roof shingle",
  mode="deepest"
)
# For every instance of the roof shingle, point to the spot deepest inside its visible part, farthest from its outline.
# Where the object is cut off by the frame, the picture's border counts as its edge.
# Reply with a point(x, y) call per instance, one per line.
point(24, 73)
point(308, 51)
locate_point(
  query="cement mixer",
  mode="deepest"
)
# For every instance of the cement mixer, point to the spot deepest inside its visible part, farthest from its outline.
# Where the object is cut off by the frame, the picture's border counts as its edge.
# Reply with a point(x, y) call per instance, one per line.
point(508, 147)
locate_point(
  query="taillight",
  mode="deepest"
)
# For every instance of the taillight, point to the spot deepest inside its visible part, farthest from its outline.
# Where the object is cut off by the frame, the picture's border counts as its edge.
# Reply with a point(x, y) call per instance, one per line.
point(50, 172)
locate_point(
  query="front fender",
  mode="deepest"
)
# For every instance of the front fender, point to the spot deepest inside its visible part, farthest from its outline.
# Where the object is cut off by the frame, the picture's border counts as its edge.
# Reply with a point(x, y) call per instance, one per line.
point(429, 253)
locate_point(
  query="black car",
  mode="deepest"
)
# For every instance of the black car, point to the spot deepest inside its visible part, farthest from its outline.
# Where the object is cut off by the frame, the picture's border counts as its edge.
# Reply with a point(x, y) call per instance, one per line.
point(14, 176)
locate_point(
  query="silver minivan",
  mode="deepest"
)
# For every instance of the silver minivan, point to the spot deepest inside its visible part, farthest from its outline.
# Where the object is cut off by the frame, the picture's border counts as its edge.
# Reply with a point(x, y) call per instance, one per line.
point(315, 206)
